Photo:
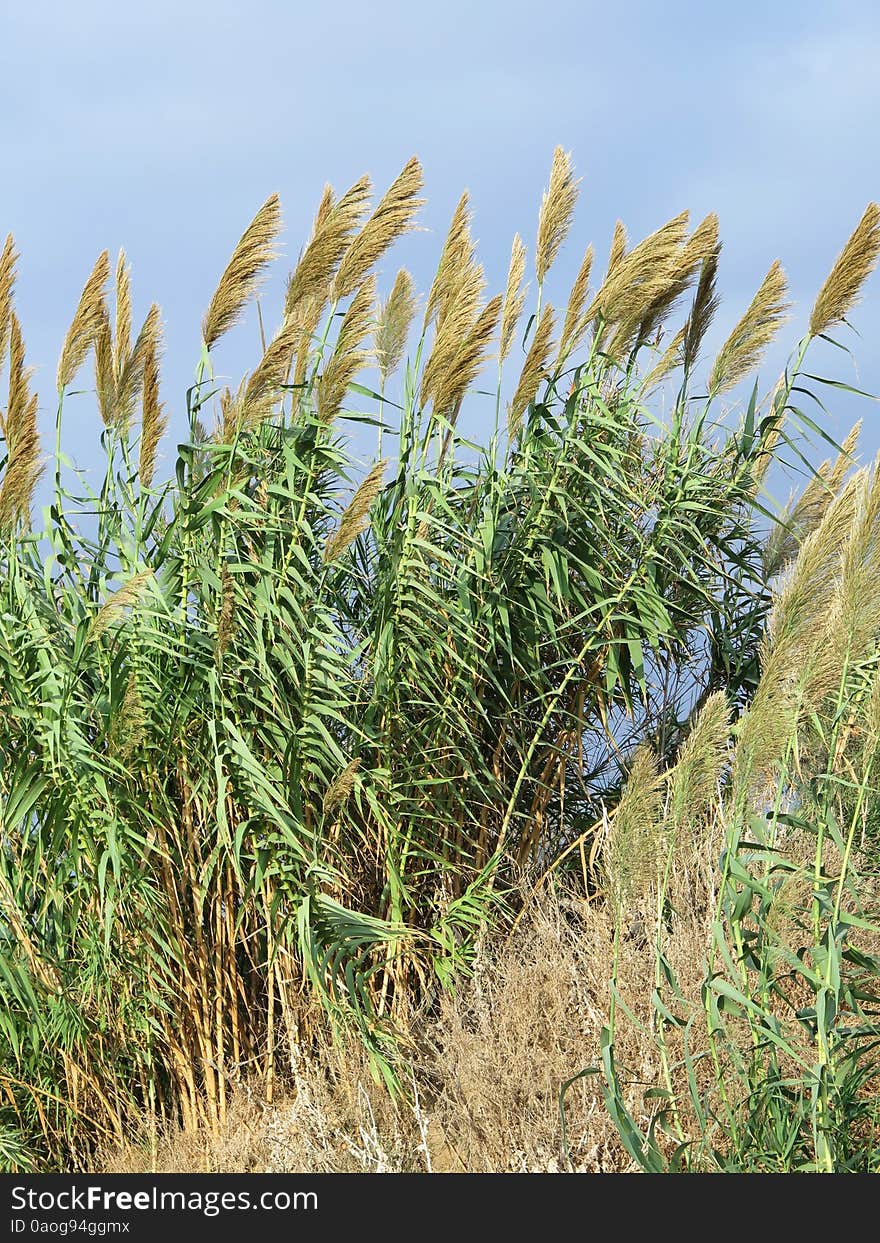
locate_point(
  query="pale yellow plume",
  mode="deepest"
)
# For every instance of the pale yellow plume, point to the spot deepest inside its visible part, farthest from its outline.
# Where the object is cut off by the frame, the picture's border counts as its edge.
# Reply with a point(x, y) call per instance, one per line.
point(557, 210)
point(86, 324)
point(854, 265)
point(742, 350)
point(239, 282)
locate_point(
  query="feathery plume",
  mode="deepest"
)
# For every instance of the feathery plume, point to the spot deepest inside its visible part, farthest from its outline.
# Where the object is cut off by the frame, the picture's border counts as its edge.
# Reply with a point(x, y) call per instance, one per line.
point(618, 248)
point(557, 209)
point(309, 315)
point(129, 593)
point(23, 467)
point(324, 208)
point(770, 437)
point(153, 421)
point(632, 849)
point(801, 652)
point(355, 518)
point(8, 258)
point(804, 516)
point(19, 376)
point(514, 297)
point(672, 357)
point(452, 386)
point(854, 265)
point(635, 281)
point(705, 304)
point(262, 389)
point(693, 781)
point(105, 379)
point(844, 459)
point(226, 616)
point(341, 785)
point(241, 278)
point(457, 256)
point(700, 246)
point(455, 321)
point(348, 357)
point(130, 377)
point(743, 349)
point(122, 335)
point(534, 367)
point(392, 218)
point(395, 319)
point(334, 227)
point(128, 728)
point(86, 323)
point(573, 328)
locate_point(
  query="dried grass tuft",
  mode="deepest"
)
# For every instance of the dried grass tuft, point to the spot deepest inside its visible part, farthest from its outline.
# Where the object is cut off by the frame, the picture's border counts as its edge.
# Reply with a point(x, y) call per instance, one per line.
point(23, 466)
point(241, 278)
point(534, 367)
point(87, 323)
point(355, 518)
point(395, 320)
point(348, 356)
point(392, 218)
point(557, 210)
point(334, 226)
point(153, 420)
point(514, 297)
point(853, 266)
point(743, 349)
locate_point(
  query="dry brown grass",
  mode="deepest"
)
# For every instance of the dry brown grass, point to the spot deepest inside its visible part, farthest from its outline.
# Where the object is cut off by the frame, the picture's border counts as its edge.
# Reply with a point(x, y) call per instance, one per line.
point(486, 1071)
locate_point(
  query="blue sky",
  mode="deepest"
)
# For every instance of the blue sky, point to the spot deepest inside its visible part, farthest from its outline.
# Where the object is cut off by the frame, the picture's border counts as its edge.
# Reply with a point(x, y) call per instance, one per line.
point(162, 127)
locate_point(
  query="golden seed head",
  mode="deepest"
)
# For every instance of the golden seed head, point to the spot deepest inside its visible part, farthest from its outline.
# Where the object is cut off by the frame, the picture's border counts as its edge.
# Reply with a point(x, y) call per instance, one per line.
point(8, 259)
point(632, 850)
point(226, 615)
point(392, 218)
point(456, 258)
point(341, 786)
point(705, 304)
point(262, 389)
point(348, 357)
point(534, 367)
point(153, 420)
point(455, 319)
point(557, 210)
point(573, 328)
point(465, 367)
point(514, 297)
point(854, 264)
point(618, 247)
point(105, 379)
point(355, 519)
point(743, 349)
point(241, 278)
point(113, 607)
point(672, 357)
point(87, 323)
point(395, 319)
point(23, 467)
point(122, 335)
point(309, 315)
point(636, 280)
point(334, 226)
point(693, 781)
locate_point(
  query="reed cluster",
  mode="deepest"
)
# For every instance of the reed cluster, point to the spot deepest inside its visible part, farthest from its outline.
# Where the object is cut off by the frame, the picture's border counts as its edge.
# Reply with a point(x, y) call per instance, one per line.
point(282, 734)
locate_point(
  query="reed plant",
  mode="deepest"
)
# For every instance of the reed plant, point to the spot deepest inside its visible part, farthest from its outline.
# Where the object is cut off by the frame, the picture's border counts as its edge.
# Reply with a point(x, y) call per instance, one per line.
point(281, 731)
